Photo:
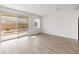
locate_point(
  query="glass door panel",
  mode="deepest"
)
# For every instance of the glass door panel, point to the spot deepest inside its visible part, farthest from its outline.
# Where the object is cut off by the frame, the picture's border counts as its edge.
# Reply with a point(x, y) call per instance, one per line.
point(22, 26)
point(12, 26)
point(9, 27)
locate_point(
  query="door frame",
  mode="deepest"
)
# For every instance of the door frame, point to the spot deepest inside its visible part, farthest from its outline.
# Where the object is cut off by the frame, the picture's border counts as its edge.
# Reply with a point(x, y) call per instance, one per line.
point(78, 30)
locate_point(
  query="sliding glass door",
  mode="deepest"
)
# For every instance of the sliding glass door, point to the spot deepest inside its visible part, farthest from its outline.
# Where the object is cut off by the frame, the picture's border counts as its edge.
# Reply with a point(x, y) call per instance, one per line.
point(22, 26)
point(12, 26)
point(9, 27)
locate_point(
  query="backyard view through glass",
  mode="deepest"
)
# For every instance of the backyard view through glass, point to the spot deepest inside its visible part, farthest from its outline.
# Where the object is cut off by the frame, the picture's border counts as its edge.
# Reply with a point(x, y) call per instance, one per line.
point(12, 26)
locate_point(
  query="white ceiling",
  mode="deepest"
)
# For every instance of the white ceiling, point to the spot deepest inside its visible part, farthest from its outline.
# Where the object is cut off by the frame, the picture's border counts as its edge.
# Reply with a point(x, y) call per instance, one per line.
point(42, 9)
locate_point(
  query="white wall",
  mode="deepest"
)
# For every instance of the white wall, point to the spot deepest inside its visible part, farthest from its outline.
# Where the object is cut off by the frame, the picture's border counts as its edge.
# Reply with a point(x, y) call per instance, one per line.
point(62, 23)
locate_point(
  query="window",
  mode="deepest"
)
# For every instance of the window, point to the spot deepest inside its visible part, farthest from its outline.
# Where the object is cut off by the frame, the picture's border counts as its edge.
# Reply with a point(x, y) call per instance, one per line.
point(12, 26)
point(37, 23)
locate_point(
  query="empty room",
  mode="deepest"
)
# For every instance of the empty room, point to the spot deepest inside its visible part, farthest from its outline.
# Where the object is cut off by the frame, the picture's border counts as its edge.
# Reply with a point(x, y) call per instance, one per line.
point(39, 28)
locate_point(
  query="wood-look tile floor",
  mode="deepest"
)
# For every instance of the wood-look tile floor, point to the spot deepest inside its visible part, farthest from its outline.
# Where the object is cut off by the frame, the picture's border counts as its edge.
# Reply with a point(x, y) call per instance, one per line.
point(40, 44)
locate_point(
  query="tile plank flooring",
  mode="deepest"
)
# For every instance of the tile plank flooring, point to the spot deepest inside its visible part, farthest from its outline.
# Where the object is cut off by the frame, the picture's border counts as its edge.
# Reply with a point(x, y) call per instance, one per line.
point(40, 44)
